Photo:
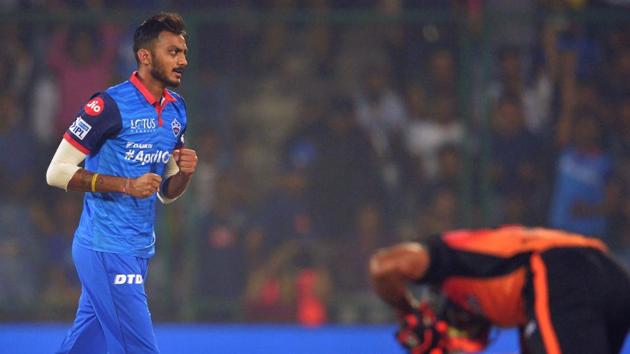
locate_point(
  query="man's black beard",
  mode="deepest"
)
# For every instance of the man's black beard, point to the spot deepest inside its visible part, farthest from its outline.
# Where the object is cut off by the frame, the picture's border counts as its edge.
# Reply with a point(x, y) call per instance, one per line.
point(157, 73)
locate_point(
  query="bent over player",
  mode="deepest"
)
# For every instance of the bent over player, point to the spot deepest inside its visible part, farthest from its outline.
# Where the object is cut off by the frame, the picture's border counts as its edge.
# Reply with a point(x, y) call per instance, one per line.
point(131, 137)
point(563, 291)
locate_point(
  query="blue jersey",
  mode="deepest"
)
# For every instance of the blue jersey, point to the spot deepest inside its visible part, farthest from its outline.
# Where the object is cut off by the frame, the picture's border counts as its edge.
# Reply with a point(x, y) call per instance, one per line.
point(125, 132)
point(580, 178)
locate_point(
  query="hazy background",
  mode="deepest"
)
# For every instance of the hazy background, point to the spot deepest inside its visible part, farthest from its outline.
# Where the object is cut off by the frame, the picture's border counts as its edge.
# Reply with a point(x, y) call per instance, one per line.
point(325, 129)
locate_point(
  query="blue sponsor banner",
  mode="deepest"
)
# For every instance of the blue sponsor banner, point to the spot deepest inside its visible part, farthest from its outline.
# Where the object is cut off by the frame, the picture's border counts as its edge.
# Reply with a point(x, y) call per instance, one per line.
point(35, 338)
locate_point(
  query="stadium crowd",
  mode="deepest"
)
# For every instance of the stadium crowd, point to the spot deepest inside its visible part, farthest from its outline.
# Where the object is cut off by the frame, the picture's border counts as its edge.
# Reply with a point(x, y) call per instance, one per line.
point(321, 139)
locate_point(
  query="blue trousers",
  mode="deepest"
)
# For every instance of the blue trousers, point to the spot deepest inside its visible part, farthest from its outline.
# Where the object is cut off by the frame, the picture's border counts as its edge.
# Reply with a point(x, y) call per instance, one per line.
point(113, 314)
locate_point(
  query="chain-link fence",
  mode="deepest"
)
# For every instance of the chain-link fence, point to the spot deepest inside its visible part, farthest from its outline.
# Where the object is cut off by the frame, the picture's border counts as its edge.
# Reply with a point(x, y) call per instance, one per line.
point(324, 132)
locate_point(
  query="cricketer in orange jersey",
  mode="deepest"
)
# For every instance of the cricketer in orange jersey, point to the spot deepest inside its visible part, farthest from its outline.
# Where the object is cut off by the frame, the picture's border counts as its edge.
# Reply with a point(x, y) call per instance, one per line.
point(563, 291)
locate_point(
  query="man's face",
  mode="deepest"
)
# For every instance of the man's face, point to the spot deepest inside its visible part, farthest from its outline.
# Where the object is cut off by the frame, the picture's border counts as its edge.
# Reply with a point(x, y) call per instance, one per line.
point(169, 58)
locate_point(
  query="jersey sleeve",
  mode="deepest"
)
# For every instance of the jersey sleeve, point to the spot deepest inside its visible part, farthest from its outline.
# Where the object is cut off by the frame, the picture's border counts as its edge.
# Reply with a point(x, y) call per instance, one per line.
point(98, 120)
point(180, 140)
point(181, 108)
point(441, 259)
point(447, 261)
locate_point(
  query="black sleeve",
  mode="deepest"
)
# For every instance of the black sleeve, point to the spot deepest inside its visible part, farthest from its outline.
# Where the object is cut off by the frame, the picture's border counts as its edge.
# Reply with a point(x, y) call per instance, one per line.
point(446, 262)
point(440, 258)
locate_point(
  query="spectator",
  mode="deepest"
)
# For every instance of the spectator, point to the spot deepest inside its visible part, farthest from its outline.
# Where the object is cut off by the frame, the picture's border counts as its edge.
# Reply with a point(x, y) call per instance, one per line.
point(439, 210)
point(580, 202)
point(16, 62)
point(300, 145)
point(283, 214)
point(380, 110)
point(19, 252)
point(516, 168)
point(426, 138)
point(222, 245)
point(368, 234)
point(617, 82)
point(449, 172)
point(535, 96)
point(213, 160)
point(61, 283)
point(270, 291)
point(16, 175)
point(345, 174)
point(82, 58)
point(351, 293)
point(441, 73)
point(416, 104)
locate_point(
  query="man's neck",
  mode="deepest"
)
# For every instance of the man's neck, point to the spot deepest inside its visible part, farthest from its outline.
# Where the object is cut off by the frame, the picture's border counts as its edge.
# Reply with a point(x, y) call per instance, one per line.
point(155, 87)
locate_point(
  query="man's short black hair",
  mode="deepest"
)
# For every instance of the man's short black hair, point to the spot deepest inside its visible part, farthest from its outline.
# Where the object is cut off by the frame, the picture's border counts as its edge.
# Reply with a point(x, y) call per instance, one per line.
point(151, 28)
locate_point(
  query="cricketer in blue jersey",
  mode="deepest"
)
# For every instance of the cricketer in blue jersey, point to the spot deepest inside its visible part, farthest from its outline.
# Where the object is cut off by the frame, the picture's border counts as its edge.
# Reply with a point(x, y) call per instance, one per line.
point(131, 137)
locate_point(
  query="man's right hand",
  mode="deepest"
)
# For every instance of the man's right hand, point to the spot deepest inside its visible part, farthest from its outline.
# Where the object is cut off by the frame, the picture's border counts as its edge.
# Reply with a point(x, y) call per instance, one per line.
point(143, 186)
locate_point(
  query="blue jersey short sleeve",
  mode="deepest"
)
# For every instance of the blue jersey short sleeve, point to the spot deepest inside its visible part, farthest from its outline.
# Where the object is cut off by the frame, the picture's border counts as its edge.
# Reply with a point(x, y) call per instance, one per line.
point(178, 129)
point(125, 134)
point(180, 140)
point(97, 121)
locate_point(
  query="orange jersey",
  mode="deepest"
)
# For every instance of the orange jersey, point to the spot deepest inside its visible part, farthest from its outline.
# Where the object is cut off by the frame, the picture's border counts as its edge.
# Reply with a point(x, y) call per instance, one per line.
point(485, 270)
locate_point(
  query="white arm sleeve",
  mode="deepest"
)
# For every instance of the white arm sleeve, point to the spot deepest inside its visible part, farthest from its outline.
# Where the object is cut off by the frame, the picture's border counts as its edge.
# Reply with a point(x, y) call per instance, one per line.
point(171, 170)
point(64, 164)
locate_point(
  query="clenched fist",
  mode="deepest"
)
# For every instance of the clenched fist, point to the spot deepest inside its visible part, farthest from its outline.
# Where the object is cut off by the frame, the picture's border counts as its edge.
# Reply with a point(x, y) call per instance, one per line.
point(144, 186)
point(186, 160)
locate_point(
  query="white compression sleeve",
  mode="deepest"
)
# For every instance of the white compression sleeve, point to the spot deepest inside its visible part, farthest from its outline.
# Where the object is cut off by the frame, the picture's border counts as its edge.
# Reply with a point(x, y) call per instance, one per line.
point(171, 170)
point(64, 164)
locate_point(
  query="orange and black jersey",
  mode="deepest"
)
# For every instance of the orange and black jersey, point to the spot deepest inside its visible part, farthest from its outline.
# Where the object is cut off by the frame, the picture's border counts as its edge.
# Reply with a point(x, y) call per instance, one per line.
point(485, 271)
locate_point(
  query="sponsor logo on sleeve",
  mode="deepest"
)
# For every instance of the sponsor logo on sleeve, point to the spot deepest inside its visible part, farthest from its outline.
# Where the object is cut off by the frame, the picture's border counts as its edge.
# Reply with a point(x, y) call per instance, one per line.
point(95, 107)
point(80, 128)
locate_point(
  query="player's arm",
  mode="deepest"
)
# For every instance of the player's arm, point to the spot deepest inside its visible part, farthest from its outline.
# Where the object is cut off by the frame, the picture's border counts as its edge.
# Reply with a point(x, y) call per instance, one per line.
point(391, 269)
point(96, 122)
point(179, 171)
point(64, 172)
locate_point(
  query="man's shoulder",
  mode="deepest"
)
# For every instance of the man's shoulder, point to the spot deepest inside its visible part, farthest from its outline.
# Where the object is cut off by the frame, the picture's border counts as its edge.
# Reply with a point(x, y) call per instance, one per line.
point(178, 99)
point(120, 90)
point(125, 96)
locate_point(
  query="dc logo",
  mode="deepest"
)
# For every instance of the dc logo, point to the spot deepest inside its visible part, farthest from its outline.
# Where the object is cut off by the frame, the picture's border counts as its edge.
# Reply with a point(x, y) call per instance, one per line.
point(95, 107)
point(176, 126)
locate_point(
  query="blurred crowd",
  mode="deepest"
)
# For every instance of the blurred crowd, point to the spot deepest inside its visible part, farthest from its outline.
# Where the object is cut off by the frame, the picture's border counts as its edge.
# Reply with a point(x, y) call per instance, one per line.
point(325, 130)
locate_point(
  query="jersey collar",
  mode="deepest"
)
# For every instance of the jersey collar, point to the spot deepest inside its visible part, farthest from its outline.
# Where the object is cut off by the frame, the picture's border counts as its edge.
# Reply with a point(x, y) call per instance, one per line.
point(166, 96)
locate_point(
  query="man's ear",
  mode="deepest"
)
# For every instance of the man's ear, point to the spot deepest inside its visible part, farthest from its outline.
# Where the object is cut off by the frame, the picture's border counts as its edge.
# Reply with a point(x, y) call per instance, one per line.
point(144, 56)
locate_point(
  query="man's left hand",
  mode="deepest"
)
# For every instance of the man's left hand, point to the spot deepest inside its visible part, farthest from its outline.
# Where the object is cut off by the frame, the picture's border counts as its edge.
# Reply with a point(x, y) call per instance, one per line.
point(186, 160)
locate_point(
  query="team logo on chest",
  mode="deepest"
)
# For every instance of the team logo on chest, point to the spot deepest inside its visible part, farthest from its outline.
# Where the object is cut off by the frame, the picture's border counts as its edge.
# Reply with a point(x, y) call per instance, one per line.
point(176, 126)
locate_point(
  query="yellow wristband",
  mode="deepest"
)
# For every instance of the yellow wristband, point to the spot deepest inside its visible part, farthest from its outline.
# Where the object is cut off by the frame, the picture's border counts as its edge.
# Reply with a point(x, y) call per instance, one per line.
point(94, 176)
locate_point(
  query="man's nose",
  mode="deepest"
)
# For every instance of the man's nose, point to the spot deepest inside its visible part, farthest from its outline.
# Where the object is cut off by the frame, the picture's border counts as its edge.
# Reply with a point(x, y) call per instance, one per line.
point(182, 61)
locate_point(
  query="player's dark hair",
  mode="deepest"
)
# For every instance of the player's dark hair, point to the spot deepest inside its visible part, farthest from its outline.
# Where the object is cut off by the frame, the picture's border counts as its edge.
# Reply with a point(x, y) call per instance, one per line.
point(151, 28)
